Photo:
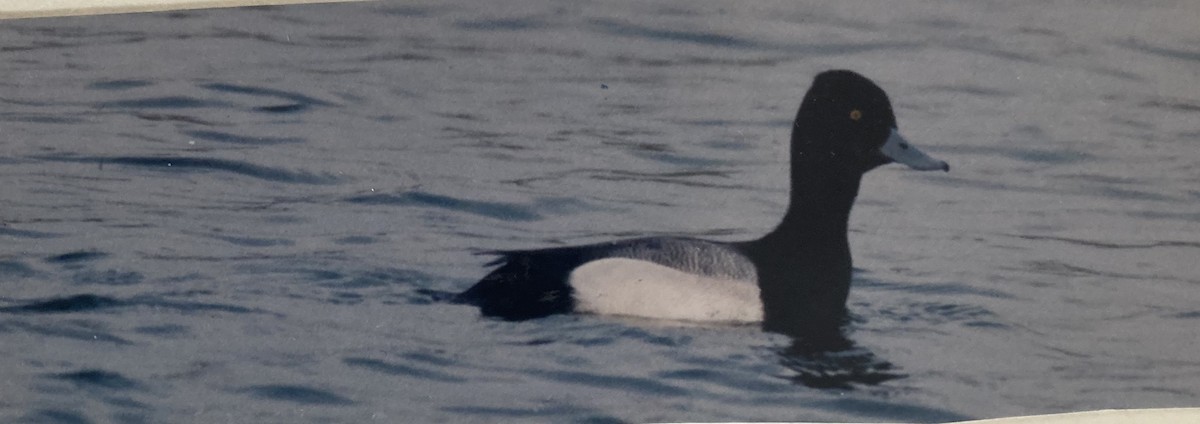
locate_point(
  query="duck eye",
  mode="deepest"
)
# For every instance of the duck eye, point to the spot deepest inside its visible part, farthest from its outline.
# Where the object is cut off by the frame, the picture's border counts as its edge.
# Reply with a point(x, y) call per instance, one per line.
point(855, 114)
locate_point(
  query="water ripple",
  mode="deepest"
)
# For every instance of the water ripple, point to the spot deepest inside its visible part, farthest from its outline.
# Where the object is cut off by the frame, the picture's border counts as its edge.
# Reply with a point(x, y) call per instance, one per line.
point(164, 102)
point(266, 92)
point(224, 137)
point(122, 84)
point(497, 210)
point(56, 416)
point(890, 411)
point(835, 363)
point(513, 24)
point(75, 257)
point(297, 394)
point(92, 302)
point(401, 370)
point(81, 331)
point(1171, 53)
point(200, 163)
point(703, 38)
point(646, 386)
point(1111, 245)
point(13, 232)
point(77, 303)
point(938, 313)
point(157, 117)
point(575, 414)
point(16, 269)
point(98, 378)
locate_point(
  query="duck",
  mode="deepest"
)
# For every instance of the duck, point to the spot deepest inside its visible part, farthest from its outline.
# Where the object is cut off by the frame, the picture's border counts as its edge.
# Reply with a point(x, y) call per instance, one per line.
point(794, 280)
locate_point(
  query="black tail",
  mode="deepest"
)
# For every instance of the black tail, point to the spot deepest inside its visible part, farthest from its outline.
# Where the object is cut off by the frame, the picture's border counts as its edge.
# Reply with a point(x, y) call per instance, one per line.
point(528, 285)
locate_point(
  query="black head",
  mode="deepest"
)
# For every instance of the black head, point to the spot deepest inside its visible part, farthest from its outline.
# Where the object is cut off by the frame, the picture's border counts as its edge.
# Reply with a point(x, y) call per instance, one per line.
point(843, 121)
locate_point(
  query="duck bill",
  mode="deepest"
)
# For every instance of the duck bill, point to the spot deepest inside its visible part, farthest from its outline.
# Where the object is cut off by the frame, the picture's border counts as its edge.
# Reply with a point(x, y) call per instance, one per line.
point(900, 150)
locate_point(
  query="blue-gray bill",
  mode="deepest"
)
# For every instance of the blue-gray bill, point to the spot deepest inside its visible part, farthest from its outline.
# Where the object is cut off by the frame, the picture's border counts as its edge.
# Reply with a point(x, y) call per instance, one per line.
point(900, 150)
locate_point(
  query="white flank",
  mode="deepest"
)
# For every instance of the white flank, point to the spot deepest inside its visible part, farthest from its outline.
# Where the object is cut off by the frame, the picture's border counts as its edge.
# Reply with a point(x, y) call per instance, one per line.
point(630, 287)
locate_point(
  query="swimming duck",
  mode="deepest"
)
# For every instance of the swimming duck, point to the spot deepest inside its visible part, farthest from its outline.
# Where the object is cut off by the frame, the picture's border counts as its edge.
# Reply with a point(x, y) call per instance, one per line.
point(794, 280)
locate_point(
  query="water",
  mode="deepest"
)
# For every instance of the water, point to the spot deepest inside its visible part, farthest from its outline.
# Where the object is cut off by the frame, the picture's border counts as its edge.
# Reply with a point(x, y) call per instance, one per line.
point(248, 215)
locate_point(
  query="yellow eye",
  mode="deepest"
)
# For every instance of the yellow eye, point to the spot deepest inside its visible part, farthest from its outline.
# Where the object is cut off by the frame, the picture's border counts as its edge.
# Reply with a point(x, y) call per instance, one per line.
point(855, 114)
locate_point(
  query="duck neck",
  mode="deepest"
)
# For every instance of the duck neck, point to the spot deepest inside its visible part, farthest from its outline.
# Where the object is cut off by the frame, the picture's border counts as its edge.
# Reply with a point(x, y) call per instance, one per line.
point(818, 212)
point(804, 264)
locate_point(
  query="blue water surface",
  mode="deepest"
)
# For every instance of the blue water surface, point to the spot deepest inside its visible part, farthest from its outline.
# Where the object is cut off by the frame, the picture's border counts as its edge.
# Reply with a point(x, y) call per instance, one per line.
point(255, 215)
